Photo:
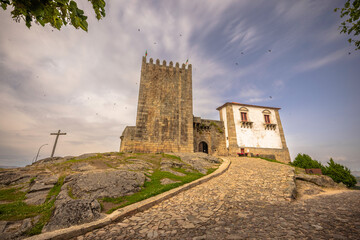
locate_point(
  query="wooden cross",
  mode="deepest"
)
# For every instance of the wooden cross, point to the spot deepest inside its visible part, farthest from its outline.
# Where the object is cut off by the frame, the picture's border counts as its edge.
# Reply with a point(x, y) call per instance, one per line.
point(57, 136)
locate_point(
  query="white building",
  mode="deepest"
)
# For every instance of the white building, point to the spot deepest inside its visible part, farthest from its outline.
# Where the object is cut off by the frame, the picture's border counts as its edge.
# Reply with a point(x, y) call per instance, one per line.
point(254, 130)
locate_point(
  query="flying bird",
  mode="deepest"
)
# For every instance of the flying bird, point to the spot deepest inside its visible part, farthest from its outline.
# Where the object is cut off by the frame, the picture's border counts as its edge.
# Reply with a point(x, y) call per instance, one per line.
point(242, 53)
point(269, 50)
point(236, 64)
point(138, 29)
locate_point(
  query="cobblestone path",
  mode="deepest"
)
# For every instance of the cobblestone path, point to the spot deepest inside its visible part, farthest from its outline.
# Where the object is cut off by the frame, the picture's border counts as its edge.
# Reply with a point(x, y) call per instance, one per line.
point(250, 200)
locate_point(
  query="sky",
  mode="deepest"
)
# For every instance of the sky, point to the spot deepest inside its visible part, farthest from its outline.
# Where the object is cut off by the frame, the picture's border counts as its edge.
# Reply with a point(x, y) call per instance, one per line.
point(286, 54)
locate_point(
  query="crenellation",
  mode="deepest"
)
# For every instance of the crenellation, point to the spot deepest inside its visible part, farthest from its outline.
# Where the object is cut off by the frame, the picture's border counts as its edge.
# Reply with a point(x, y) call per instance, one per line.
point(164, 64)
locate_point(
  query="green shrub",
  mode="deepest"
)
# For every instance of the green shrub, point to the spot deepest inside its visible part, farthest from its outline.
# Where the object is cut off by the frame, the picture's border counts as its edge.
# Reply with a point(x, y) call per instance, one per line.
point(340, 173)
point(337, 172)
point(305, 161)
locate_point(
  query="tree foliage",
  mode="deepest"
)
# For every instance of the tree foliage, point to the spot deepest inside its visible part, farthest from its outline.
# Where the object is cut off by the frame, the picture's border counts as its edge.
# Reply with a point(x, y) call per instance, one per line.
point(305, 161)
point(337, 172)
point(351, 13)
point(54, 12)
point(340, 173)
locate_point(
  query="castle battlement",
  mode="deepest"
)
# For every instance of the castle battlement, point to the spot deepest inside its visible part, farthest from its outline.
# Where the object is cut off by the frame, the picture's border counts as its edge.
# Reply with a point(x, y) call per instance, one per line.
point(157, 64)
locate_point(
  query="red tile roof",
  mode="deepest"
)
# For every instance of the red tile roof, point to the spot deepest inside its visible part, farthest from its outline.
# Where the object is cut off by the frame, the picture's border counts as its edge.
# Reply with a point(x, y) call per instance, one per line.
point(242, 104)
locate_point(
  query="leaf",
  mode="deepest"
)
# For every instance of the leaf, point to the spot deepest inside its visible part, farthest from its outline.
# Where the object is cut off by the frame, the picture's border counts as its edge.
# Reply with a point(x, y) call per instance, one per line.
point(84, 25)
point(3, 5)
point(56, 13)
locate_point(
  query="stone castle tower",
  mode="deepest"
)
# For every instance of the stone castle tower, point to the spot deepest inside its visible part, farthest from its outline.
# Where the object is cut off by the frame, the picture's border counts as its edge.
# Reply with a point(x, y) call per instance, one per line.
point(164, 121)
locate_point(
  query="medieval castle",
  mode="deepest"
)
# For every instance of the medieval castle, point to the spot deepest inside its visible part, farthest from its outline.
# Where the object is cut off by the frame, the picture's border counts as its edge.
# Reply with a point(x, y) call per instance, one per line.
point(165, 121)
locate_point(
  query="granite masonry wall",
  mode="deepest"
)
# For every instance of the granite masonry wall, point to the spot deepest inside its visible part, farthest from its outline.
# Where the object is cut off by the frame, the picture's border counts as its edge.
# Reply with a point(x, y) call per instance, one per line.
point(212, 133)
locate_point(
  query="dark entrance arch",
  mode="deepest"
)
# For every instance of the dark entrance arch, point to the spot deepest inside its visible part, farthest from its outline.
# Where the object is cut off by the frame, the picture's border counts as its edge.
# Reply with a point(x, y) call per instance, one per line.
point(203, 147)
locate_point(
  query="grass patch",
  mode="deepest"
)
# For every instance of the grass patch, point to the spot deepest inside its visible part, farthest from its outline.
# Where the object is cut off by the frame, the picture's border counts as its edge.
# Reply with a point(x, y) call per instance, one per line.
point(11, 194)
point(129, 158)
point(19, 210)
point(170, 156)
point(47, 208)
point(272, 160)
point(56, 189)
point(153, 187)
point(74, 160)
point(45, 217)
point(210, 170)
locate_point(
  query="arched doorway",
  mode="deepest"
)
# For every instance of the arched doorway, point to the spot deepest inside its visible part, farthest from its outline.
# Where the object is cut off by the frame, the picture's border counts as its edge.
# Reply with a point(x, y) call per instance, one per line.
point(203, 147)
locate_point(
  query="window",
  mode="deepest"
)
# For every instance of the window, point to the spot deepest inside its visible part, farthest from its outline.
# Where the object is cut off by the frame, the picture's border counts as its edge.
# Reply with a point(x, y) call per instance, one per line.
point(267, 118)
point(244, 122)
point(268, 125)
point(243, 116)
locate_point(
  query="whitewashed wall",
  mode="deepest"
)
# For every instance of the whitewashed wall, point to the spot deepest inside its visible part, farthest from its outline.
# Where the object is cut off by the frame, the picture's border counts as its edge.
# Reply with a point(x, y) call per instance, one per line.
point(256, 136)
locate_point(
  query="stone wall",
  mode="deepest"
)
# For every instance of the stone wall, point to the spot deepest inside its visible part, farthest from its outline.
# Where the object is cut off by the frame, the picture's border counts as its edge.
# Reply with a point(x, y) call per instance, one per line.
point(212, 133)
point(164, 120)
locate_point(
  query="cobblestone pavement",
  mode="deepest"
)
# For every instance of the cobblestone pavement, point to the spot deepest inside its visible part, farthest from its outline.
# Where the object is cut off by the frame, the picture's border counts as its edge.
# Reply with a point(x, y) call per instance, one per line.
point(251, 201)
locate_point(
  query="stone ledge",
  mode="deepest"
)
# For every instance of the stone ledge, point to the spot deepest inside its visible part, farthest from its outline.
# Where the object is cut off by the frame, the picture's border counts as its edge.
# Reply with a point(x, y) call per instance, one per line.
point(117, 215)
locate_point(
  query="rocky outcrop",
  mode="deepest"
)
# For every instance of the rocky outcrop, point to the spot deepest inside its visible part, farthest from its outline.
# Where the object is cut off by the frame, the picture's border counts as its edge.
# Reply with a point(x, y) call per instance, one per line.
point(13, 177)
point(88, 179)
point(95, 185)
point(14, 229)
point(200, 161)
point(320, 180)
point(39, 189)
point(73, 211)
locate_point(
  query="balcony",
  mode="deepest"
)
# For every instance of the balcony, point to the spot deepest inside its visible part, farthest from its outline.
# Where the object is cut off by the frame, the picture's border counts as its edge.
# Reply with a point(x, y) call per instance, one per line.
point(246, 124)
point(270, 126)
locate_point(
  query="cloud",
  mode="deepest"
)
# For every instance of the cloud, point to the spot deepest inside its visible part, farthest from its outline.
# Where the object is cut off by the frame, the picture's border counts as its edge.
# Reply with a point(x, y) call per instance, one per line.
point(87, 83)
point(320, 62)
